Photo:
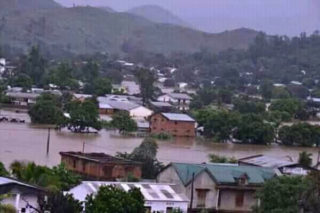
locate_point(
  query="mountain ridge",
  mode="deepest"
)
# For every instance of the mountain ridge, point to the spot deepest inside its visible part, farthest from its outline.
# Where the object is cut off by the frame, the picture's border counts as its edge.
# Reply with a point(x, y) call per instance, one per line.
point(158, 14)
point(87, 30)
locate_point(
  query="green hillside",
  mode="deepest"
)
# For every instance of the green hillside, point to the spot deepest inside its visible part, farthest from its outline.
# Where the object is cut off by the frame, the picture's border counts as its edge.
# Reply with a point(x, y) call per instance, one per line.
point(82, 30)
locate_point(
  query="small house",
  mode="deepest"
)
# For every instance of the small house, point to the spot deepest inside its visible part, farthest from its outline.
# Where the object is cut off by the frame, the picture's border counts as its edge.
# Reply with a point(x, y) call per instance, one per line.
point(100, 166)
point(284, 166)
point(217, 187)
point(19, 194)
point(176, 124)
point(158, 197)
point(180, 100)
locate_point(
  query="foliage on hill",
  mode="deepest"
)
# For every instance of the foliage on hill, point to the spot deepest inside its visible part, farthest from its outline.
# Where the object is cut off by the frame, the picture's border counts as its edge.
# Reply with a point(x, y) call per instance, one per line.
point(82, 30)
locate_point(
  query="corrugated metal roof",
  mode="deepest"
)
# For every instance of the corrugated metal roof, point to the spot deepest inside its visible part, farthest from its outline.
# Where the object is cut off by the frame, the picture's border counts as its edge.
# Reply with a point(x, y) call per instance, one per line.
point(117, 104)
point(150, 191)
point(180, 96)
point(224, 173)
point(266, 161)
point(4, 181)
point(178, 117)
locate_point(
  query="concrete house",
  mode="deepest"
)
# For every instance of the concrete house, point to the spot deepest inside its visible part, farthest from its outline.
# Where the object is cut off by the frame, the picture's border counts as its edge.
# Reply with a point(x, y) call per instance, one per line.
point(99, 166)
point(112, 104)
point(180, 100)
point(158, 197)
point(217, 187)
point(19, 194)
point(176, 124)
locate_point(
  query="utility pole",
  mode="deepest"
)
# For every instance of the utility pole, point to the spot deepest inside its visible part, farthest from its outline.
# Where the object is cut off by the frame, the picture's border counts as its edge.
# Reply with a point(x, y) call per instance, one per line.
point(48, 141)
point(192, 188)
point(83, 145)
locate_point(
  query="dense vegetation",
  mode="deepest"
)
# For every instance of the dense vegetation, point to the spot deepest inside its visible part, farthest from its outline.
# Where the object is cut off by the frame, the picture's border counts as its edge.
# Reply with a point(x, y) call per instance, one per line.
point(111, 199)
point(287, 194)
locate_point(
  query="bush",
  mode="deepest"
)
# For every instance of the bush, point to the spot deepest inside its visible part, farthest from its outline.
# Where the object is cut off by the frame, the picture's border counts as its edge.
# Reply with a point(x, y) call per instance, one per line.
point(162, 136)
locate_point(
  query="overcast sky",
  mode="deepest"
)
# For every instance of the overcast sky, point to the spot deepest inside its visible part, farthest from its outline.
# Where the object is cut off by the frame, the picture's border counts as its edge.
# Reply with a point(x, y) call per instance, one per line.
point(273, 16)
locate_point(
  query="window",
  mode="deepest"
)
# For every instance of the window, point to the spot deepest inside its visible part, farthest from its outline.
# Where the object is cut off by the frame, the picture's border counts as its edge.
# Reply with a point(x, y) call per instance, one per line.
point(239, 199)
point(201, 197)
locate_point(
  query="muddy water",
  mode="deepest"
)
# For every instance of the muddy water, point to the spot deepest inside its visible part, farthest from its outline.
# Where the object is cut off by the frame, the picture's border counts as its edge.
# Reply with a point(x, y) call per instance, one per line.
point(26, 142)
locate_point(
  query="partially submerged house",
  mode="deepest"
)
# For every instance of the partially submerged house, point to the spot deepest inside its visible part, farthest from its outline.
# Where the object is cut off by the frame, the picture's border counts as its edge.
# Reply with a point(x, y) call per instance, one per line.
point(158, 197)
point(176, 124)
point(285, 166)
point(217, 187)
point(19, 194)
point(112, 104)
point(100, 166)
point(180, 100)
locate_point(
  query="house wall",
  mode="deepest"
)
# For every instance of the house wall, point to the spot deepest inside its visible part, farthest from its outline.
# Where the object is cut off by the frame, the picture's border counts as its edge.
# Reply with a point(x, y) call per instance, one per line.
point(157, 206)
point(106, 111)
point(204, 181)
point(169, 175)
point(159, 124)
point(11, 199)
point(100, 171)
point(228, 200)
point(166, 98)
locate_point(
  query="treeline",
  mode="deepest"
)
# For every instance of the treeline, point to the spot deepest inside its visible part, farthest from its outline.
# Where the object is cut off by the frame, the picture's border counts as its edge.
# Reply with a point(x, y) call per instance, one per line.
point(251, 121)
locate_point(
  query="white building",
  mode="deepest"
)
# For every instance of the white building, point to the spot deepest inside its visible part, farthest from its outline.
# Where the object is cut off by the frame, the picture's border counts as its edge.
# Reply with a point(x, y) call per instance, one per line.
point(158, 197)
point(181, 100)
point(19, 194)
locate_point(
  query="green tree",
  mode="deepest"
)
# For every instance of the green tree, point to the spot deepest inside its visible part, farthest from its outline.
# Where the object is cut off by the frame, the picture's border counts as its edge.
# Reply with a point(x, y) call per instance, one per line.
point(83, 115)
point(33, 65)
point(249, 106)
point(46, 110)
point(217, 124)
point(221, 159)
point(252, 129)
point(291, 106)
point(62, 76)
point(301, 134)
point(280, 93)
point(111, 199)
point(98, 87)
point(146, 153)
point(282, 194)
point(146, 79)
point(90, 71)
point(55, 179)
point(266, 89)
point(60, 203)
point(22, 80)
point(3, 170)
point(123, 122)
point(305, 159)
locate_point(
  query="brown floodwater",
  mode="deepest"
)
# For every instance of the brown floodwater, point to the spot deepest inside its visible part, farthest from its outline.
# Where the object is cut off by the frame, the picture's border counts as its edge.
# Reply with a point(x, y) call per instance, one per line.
point(28, 143)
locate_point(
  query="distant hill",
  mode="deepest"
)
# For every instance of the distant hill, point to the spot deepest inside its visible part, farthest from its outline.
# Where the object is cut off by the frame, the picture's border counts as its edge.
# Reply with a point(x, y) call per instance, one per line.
point(85, 30)
point(158, 14)
point(108, 9)
point(28, 4)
